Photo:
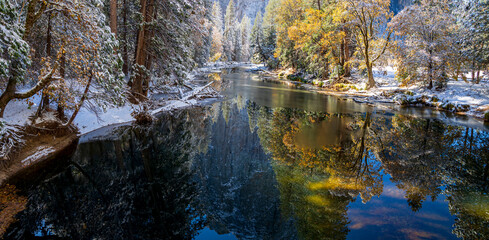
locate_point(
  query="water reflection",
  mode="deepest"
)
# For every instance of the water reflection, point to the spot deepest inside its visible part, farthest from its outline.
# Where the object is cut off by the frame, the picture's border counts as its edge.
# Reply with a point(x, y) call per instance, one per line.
point(287, 164)
point(403, 169)
point(135, 186)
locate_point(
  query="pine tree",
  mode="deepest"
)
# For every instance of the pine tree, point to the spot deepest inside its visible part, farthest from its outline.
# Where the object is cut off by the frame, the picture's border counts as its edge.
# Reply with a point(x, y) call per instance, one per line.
point(84, 49)
point(14, 53)
point(475, 38)
point(256, 38)
point(237, 41)
point(229, 42)
point(270, 33)
point(245, 28)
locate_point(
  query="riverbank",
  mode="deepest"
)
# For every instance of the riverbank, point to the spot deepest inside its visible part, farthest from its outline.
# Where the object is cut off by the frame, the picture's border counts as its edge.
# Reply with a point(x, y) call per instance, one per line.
point(459, 97)
point(32, 151)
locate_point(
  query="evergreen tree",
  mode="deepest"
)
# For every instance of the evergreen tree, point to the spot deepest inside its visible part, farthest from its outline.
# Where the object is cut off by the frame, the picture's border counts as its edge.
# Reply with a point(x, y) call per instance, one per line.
point(245, 28)
point(256, 38)
point(229, 42)
point(237, 41)
point(475, 40)
point(270, 33)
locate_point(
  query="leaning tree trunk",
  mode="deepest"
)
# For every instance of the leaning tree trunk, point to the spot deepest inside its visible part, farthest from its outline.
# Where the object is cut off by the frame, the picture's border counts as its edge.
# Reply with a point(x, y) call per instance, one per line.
point(10, 91)
point(7, 95)
point(140, 83)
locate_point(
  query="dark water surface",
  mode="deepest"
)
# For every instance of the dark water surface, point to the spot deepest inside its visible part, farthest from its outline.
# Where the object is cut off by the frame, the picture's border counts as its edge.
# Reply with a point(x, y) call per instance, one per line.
point(271, 162)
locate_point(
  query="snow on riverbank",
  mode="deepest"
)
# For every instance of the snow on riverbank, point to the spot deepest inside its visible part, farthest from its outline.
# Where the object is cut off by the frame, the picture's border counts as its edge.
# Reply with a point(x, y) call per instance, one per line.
point(19, 111)
point(458, 96)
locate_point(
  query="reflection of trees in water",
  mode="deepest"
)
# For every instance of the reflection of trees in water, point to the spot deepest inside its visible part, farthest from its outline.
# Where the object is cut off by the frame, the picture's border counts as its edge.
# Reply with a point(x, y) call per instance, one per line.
point(427, 155)
point(136, 187)
point(415, 157)
point(316, 183)
point(468, 184)
point(238, 183)
point(422, 156)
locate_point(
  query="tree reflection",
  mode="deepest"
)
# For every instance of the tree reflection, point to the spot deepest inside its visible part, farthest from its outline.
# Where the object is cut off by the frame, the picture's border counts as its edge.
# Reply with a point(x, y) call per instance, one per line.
point(136, 187)
point(318, 180)
point(468, 186)
point(415, 156)
point(423, 156)
point(139, 184)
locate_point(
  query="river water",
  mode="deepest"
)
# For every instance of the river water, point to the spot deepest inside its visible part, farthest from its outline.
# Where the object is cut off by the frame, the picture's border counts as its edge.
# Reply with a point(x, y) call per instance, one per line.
point(270, 161)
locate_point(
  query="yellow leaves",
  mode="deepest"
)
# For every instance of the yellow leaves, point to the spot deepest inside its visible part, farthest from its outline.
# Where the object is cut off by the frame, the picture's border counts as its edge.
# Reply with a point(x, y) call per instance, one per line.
point(334, 183)
point(317, 200)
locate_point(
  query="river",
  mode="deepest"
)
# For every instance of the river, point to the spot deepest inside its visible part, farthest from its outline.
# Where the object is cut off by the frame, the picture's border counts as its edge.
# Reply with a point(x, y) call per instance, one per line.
point(270, 161)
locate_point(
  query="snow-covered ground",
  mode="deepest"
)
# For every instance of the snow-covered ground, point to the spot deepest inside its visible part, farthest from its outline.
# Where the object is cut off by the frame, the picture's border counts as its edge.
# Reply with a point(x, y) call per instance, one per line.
point(459, 94)
point(19, 111)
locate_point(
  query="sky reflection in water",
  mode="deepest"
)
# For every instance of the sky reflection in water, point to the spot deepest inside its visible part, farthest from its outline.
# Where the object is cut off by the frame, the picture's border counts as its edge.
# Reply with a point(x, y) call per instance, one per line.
point(270, 162)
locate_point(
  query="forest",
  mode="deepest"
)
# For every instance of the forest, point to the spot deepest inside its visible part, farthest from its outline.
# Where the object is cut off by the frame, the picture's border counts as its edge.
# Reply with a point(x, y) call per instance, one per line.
point(324, 98)
point(62, 57)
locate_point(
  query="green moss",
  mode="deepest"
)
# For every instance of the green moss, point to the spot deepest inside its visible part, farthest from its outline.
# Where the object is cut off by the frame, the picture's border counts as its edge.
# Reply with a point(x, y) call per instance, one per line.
point(295, 78)
point(486, 117)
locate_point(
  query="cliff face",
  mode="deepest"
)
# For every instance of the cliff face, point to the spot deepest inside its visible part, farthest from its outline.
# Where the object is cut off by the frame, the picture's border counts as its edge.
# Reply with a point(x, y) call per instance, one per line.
point(398, 5)
point(251, 7)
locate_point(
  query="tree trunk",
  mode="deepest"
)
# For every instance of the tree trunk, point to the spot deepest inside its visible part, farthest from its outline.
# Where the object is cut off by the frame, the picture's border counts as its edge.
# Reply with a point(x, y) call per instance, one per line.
point(7, 95)
point(45, 97)
point(346, 54)
point(371, 81)
point(430, 72)
point(82, 100)
point(61, 102)
point(31, 17)
point(140, 83)
point(113, 16)
point(125, 55)
point(45, 101)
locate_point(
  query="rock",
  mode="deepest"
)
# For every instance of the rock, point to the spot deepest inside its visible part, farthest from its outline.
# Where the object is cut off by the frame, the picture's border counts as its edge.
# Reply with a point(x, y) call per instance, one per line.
point(462, 108)
point(486, 117)
point(447, 106)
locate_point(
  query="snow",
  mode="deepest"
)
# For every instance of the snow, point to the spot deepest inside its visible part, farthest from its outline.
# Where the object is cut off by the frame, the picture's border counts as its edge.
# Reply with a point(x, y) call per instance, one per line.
point(87, 121)
point(41, 152)
point(19, 111)
point(457, 93)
